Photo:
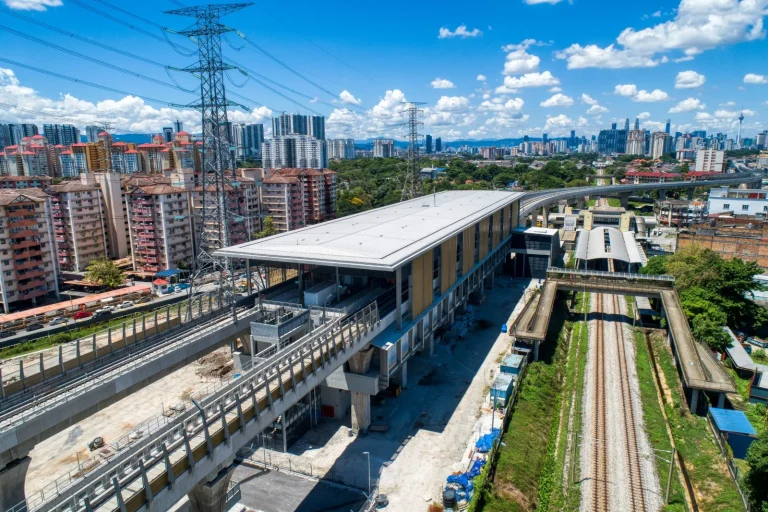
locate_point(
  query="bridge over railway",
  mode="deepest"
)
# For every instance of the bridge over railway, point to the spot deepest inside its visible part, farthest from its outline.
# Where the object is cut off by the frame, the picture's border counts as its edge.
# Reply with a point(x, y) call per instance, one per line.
point(700, 370)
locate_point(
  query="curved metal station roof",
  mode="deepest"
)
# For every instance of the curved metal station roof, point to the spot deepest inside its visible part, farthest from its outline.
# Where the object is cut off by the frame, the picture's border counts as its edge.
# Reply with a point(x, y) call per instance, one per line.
point(607, 242)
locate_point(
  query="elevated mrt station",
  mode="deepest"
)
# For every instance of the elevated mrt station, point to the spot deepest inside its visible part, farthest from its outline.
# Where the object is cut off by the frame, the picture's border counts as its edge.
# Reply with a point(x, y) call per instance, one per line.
point(422, 261)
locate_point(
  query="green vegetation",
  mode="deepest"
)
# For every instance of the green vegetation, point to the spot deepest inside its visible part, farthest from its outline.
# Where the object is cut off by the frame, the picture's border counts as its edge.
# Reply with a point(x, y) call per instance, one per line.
point(526, 470)
point(712, 292)
point(372, 182)
point(614, 201)
point(103, 271)
point(269, 229)
point(656, 425)
point(740, 153)
point(714, 489)
point(756, 479)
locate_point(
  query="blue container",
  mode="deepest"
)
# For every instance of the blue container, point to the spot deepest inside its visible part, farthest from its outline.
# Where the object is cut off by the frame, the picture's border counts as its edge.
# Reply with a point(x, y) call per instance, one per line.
point(512, 364)
point(502, 389)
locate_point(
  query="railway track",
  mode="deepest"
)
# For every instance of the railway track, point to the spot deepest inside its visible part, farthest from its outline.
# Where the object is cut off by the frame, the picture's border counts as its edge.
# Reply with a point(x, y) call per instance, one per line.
point(600, 435)
point(625, 419)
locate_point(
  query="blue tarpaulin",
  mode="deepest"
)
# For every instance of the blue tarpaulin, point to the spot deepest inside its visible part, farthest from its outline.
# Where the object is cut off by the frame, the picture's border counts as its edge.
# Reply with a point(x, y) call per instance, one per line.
point(485, 442)
point(168, 273)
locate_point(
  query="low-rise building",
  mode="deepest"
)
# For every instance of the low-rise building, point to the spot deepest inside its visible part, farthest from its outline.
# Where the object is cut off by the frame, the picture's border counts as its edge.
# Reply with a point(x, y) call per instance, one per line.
point(710, 160)
point(680, 213)
point(738, 201)
point(27, 250)
point(638, 177)
point(730, 237)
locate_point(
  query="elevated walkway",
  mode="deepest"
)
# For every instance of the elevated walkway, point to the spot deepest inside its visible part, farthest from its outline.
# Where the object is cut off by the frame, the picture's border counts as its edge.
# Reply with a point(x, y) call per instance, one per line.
point(159, 467)
point(532, 323)
point(700, 370)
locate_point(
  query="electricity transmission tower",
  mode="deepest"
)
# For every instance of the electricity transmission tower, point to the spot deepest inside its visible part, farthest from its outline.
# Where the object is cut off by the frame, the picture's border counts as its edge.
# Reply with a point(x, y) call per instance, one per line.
point(411, 182)
point(219, 219)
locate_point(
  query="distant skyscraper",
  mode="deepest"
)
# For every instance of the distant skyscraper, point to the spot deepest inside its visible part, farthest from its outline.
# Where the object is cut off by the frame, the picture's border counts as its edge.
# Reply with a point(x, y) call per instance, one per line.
point(29, 130)
point(668, 127)
point(252, 137)
point(636, 142)
point(297, 124)
point(341, 149)
point(637, 123)
point(544, 138)
point(626, 125)
point(168, 134)
point(65, 134)
point(92, 132)
point(438, 145)
point(661, 144)
point(5, 137)
point(178, 126)
point(316, 126)
point(289, 151)
point(384, 148)
point(428, 144)
point(738, 138)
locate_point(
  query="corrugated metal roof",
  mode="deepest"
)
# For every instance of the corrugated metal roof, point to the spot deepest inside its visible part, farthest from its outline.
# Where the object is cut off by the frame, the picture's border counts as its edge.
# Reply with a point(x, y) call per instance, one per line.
point(591, 245)
point(379, 239)
point(739, 356)
point(728, 420)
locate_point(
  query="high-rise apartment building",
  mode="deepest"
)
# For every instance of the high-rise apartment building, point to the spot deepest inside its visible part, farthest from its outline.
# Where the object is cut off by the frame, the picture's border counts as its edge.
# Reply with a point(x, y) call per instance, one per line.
point(428, 144)
point(178, 126)
point(27, 260)
point(384, 148)
point(29, 130)
point(668, 126)
point(251, 140)
point(78, 223)
point(438, 145)
point(294, 198)
point(294, 151)
point(168, 134)
point(661, 144)
point(341, 149)
point(316, 127)
point(160, 227)
point(298, 124)
point(28, 158)
point(64, 134)
point(92, 132)
point(636, 141)
point(710, 160)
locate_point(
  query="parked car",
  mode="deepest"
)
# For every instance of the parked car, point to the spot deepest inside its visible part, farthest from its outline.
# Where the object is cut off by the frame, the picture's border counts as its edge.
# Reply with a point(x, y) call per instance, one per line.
point(125, 304)
point(7, 334)
point(58, 320)
point(104, 309)
point(101, 315)
point(82, 314)
point(143, 300)
point(35, 326)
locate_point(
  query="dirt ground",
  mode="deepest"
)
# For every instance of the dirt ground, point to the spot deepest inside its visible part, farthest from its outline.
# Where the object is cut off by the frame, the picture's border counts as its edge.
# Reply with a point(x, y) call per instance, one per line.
point(58, 454)
point(432, 424)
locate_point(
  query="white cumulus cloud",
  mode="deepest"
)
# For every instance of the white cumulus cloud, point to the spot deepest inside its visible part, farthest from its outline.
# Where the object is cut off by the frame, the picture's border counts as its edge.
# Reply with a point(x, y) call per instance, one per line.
point(597, 109)
point(644, 115)
point(687, 105)
point(751, 78)
point(631, 91)
point(519, 60)
point(32, 5)
point(689, 80)
point(442, 83)
point(461, 31)
point(699, 25)
point(347, 97)
point(513, 84)
point(587, 99)
point(452, 104)
point(482, 78)
point(557, 100)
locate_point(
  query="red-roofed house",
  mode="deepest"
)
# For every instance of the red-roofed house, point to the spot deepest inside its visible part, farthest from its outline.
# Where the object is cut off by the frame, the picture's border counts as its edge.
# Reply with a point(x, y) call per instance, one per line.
point(638, 177)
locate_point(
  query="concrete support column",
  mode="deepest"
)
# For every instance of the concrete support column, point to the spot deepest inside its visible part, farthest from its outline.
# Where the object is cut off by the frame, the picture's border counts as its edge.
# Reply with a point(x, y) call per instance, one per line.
point(580, 204)
point(690, 194)
point(248, 274)
point(544, 216)
point(301, 286)
point(720, 400)
point(624, 198)
point(401, 377)
point(399, 298)
point(212, 496)
point(663, 194)
point(361, 411)
point(536, 350)
point(694, 400)
point(12, 478)
point(429, 346)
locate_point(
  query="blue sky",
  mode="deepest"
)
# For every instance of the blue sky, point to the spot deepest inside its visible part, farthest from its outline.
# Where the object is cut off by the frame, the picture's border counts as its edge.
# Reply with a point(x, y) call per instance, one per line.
point(489, 70)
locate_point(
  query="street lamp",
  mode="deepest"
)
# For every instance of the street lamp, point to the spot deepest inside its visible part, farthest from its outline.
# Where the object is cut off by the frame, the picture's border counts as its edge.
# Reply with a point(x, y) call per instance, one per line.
point(369, 471)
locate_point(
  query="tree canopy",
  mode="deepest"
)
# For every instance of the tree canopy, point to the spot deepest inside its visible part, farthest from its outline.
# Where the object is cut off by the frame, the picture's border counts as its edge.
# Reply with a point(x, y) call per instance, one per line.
point(713, 291)
point(104, 272)
point(269, 229)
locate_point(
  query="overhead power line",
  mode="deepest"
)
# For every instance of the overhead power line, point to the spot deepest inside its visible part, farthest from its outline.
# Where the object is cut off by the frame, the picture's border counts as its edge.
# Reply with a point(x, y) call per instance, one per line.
point(94, 60)
point(185, 49)
point(90, 84)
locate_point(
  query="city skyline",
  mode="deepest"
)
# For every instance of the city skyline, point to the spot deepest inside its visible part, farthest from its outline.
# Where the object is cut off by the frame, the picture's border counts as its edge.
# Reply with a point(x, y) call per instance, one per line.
point(478, 82)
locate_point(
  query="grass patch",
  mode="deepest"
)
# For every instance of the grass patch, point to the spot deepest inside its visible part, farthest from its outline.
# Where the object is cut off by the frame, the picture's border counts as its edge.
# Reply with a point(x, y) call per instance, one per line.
point(755, 412)
point(569, 497)
point(655, 425)
point(715, 490)
point(526, 469)
point(614, 201)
